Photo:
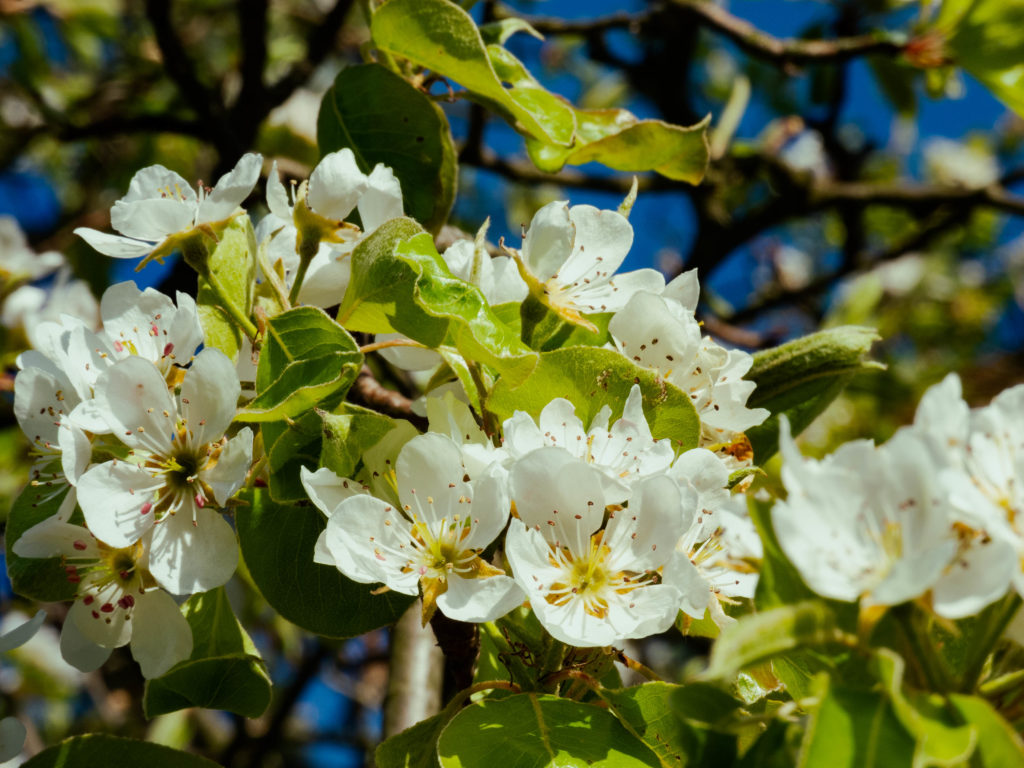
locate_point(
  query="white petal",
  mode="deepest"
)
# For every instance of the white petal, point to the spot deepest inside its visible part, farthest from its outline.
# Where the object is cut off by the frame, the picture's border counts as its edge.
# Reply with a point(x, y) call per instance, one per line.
point(684, 290)
point(188, 556)
point(156, 181)
point(109, 628)
point(490, 511)
point(602, 238)
point(430, 473)
point(326, 490)
point(327, 278)
point(54, 537)
point(382, 200)
point(75, 451)
point(231, 190)
point(335, 185)
point(548, 241)
point(22, 633)
point(551, 488)
point(228, 474)
point(77, 649)
point(642, 537)
point(133, 397)
point(151, 220)
point(114, 245)
point(976, 578)
point(162, 636)
point(366, 537)
point(186, 332)
point(209, 395)
point(477, 600)
point(321, 552)
point(113, 497)
point(277, 196)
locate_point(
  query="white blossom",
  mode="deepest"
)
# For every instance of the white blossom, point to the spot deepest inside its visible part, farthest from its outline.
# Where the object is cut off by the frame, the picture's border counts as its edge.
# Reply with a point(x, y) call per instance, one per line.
point(875, 524)
point(625, 451)
point(179, 464)
point(335, 188)
point(18, 262)
point(592, 584)
point(430, 542)
point(160, 206)
point(570, 257)
point(117, 600)
point(659, 332)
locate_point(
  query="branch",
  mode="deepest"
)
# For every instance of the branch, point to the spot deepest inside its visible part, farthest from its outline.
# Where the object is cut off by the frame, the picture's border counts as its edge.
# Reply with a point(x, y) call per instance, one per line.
point(132, 124)
point(369, 392)
point(941, 222)
point(788, 51)
point(414, 674)
point(586, 27)
point(914, 197)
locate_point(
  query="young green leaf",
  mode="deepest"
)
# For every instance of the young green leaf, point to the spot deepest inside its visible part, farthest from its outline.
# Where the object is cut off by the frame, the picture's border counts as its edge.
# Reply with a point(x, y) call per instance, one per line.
point(591, 378)
point(306, 358)
point(801, 377)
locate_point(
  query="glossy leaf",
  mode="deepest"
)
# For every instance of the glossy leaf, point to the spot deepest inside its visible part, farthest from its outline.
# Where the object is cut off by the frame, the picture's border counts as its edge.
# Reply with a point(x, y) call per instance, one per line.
point(347, 434)
point(414, 747)
point(618, 139)
point(801, 377)
point(759, 636)
point(413, 140)
point(232, 267)
point(591, 378)
point(668, 719)
point(442, 37)
point(854, 728)
point(97, 749)
point(999, 744)
point(225, 671)
point(401, 284)
point(289, 447)
point(36, 578)
point(277, 543)
point(306, 357)
point(531, 731)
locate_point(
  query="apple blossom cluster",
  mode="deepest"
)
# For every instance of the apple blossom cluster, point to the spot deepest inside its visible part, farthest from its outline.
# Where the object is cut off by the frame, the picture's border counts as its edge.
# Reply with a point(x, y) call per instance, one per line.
point(936, 512)
point(608, 535)
point(604, 530)
point(128, 423)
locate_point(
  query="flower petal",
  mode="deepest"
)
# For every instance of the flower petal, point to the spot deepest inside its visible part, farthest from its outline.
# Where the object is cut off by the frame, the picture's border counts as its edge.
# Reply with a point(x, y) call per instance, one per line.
point(132, 395)
point(559, 495)
point(114, 245)
point(228, 474)
point(193, 554)
point(335, 185)
point(478, 600)
point(113, 496)
point(162, 636)
point(22, 633)
point(231, 190)
point(77, 649)
point(153, 220)
point(326, 490)
point(209, 396)
point(12, 738)
point(382, 199)
point(430, 473)
point(549, 240)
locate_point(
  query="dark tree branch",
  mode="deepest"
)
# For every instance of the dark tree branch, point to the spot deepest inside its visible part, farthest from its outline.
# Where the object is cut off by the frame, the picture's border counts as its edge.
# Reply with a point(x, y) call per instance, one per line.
point(131, 124)
point(252, 27)
point(940, 223)
point(584, 27)
point(786, 51)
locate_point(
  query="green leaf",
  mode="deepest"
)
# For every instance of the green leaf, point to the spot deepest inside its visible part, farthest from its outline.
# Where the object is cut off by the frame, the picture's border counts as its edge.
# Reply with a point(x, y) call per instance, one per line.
point(668, 719)
point(232, 266)
point(225, 671)
point(760, 636)
point(401, 284)
point(97, 749)
point(36, 578)
point(277, 543)
point(306, 357)
point(501, 30)
point(939, 739)
point(347, 434)
point(384, 119)
point(591, 378)
point(801, 377)
point(779, 582)
point(854, 729)
point(289, 447)
point(618, 139)
point(442, 37)
point(986, 41)
point(999, 745)
point(531, 731)
point(414, 747)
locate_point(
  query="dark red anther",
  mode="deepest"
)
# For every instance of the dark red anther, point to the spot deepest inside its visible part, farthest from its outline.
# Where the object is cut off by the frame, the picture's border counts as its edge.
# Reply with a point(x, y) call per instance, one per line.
point(126, 602)
point(168, 348)
point(79, 545)
point(146, 508)
point(107, 608)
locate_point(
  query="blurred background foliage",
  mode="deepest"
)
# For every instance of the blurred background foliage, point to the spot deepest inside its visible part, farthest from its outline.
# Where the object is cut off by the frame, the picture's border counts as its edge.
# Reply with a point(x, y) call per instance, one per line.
point(844, 189)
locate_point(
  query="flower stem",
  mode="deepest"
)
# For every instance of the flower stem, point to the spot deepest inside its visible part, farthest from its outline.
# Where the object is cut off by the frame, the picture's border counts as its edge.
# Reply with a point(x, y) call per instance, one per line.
point(307, 249)
point(995, 618)
point(921, 651)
